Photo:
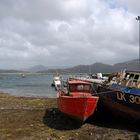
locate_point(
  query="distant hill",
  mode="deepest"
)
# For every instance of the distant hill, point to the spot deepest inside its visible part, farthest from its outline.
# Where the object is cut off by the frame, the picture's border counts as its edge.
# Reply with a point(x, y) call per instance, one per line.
point(38, 68)
point(94, 68)
point(99, 67)
point(13, 71)
point(131, 65)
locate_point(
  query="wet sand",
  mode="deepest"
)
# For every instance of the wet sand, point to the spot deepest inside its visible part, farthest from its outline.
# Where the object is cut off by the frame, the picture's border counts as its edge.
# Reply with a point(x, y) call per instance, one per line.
point(34, 118)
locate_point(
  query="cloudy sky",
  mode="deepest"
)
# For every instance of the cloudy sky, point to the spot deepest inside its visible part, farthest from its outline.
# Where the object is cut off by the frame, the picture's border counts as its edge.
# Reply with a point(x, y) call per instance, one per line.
point(67, 32)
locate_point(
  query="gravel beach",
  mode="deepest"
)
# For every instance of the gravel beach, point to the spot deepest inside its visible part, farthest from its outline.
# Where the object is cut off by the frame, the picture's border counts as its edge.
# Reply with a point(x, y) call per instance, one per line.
point(37, 118)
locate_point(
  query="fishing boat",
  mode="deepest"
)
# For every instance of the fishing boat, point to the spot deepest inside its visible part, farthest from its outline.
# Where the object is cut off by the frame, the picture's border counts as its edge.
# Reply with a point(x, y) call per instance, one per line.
point(56, 82)
point(77, 101)
point(121, 94)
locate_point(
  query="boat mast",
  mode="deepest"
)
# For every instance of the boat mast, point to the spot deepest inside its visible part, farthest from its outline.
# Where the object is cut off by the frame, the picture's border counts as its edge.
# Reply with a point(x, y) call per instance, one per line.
point(138, 19)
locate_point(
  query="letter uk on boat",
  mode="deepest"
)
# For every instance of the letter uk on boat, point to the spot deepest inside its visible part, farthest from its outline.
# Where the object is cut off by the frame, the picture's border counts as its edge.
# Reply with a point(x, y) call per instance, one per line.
point(121, 96)
point(131, 98)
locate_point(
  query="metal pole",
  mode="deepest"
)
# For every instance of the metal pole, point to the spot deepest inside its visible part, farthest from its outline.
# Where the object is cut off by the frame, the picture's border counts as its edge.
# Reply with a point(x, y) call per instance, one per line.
point(138, 19)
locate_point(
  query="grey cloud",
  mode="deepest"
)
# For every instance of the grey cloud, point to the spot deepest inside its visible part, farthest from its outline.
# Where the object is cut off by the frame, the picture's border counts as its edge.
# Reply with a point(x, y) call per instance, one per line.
point(131, 6)
point(66, 32)
point(35, 10)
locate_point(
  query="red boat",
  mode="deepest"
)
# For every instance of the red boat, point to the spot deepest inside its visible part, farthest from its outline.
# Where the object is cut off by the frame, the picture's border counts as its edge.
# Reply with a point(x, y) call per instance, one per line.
point(77, 101)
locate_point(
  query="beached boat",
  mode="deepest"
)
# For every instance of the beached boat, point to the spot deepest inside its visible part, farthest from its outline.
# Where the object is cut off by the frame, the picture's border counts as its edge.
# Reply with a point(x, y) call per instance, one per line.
point(77, 100)
point(121, 95)
point(56, 82)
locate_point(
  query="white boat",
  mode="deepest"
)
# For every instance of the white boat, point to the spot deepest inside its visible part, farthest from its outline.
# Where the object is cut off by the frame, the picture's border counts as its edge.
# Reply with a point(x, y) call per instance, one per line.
point(97, 78)
point(56, 82)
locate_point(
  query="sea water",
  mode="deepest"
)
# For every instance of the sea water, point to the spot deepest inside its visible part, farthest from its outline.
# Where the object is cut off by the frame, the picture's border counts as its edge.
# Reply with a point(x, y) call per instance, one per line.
point(27, 85)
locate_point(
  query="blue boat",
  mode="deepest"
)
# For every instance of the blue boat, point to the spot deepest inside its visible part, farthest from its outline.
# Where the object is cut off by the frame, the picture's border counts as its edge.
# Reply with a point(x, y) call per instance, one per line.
point(121, 94)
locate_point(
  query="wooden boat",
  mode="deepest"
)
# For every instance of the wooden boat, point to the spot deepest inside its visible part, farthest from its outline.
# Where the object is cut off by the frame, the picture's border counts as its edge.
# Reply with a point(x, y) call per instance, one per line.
point(122, 95)
point(77, 101)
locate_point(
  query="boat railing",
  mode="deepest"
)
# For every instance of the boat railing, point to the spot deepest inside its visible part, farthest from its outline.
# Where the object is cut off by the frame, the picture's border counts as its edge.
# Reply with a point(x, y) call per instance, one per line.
point(130, 83)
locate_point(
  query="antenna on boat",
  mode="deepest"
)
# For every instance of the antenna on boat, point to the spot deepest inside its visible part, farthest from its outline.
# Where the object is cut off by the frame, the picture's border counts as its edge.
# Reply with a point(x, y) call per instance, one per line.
point(138, 19)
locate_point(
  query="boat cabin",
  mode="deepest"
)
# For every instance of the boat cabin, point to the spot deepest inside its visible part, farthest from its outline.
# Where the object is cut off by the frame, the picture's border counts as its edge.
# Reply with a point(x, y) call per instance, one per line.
point(132, 79)
point(79, 86)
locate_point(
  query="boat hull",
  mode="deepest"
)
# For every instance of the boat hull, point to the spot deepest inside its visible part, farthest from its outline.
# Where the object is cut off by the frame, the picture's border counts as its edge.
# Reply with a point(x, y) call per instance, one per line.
point(121, 101)
point(79, 107)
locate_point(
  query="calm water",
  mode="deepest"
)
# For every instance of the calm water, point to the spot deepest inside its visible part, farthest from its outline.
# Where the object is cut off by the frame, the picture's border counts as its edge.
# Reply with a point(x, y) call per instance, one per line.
point(30, 85)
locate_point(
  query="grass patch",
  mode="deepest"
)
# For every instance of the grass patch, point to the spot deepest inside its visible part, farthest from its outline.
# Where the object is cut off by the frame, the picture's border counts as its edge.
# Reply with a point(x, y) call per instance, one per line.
point(39, 103)
point(4, 130)
point(23, 129)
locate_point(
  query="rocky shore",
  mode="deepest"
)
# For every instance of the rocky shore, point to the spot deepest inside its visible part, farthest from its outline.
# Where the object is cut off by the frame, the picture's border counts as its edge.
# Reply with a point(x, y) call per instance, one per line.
point(37, 118)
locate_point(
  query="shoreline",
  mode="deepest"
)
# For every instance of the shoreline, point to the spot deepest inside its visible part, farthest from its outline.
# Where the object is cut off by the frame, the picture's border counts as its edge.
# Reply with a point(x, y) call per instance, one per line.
point(26, 95)
point(36, 118)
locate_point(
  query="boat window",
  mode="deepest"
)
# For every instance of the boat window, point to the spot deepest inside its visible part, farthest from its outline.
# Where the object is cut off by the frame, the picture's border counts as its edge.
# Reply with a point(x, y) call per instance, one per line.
point(83, 87)
point(80, 87)
point(126, 76)
point(131, 76)
point(136, 78)
point(87, 87)
point(72, 88)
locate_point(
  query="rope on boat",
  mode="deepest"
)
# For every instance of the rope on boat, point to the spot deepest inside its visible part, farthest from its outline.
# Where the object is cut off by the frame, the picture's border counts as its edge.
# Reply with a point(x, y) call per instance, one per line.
point(98, 93)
